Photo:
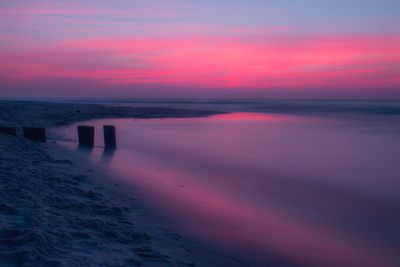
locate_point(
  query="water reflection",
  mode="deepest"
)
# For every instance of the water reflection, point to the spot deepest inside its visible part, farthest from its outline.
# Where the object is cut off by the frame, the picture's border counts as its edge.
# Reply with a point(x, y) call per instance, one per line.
point(286, 190)
point(107, 156)
point(87, 151)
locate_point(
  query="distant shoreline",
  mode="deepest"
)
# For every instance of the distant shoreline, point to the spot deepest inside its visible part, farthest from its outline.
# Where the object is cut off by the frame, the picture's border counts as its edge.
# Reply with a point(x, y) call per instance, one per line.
point(46, 114)
point(61, 113)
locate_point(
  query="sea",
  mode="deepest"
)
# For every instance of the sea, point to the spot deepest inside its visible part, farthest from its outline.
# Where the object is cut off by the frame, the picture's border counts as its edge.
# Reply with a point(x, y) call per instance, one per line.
point(270, 182)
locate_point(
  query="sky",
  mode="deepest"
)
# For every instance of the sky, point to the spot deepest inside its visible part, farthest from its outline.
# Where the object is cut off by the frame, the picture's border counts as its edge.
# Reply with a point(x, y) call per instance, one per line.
point(205, 49)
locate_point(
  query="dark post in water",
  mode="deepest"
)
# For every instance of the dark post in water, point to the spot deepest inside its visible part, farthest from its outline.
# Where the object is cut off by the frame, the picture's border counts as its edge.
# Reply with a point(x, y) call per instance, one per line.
point(110, 141)
point(9, 130)
point(86, 136)
point(35, 133)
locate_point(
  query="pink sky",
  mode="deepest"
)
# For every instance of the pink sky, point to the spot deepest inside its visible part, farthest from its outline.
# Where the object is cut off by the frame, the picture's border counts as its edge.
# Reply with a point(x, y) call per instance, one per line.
point(55, 49)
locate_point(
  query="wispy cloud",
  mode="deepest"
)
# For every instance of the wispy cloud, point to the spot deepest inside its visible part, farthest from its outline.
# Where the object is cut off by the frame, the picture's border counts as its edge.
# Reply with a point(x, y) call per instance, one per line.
point(177, 44)
point(210, 61)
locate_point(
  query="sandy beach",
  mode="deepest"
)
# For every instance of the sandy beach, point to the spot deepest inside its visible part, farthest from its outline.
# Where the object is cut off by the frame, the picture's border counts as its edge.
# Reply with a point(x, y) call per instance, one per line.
point(55, 210)
point(191, 187)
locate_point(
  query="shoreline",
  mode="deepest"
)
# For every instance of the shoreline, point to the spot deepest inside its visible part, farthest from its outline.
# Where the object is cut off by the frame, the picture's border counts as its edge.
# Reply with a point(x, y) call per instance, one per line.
point(46, 114)
point(56, 211)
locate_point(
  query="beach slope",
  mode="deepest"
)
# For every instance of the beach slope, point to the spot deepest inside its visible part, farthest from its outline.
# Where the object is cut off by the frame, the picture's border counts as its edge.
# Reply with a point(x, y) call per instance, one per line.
point(54, 213)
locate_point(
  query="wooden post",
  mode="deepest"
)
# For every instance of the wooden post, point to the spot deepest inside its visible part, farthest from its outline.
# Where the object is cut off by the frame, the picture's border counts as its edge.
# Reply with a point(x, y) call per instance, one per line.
point(86, 136)
point(9, 130)
point(110, 141)
point(35, 133)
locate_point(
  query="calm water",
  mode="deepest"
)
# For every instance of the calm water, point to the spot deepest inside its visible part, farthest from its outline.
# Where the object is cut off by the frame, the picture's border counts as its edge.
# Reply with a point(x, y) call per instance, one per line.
point(284, 190)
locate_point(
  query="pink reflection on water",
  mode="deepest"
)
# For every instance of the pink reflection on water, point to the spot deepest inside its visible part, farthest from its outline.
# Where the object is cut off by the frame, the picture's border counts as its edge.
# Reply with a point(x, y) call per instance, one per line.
point(201, 172)
point(247, 116)
point(232, 222)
